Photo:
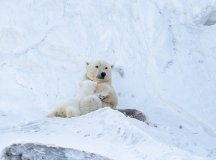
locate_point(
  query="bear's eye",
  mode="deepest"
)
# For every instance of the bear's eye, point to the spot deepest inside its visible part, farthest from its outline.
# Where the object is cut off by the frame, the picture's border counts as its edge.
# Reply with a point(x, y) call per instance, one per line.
point(106, 68)
point(96, 66)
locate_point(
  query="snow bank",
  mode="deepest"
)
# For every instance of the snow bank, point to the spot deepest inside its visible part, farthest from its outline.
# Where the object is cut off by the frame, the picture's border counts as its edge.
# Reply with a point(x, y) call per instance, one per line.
point(105, 131)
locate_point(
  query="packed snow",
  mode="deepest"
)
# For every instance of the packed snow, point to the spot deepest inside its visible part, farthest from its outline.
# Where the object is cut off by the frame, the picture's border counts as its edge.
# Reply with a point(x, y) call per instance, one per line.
point(165, 66)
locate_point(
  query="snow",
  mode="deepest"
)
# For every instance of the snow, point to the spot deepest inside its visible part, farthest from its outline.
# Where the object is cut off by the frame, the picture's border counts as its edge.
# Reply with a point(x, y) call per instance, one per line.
point(164, 54)
point(106, 130)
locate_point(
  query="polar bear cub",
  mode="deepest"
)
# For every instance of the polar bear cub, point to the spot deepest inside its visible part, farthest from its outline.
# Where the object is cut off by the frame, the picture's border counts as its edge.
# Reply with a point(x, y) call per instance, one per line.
point(70, 107)
point(92, 103)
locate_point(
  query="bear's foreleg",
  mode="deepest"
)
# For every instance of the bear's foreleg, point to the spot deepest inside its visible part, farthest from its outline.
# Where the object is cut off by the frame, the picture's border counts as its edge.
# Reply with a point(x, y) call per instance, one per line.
point(102, 95)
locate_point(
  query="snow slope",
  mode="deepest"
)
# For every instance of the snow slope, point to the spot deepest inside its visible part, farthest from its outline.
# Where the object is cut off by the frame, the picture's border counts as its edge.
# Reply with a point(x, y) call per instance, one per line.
point(165, 48)
point(107, 131)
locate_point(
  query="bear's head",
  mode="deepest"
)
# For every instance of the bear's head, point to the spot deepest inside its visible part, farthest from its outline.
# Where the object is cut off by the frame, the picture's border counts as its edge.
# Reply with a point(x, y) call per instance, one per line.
point(99, 71)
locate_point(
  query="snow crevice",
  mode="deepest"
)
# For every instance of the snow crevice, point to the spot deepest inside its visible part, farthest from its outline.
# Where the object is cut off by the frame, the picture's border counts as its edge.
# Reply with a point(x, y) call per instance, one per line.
point(211, 20)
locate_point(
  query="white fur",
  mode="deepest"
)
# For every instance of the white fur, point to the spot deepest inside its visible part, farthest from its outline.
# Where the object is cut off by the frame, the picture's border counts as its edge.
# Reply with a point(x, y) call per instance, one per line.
point(70, 107)
point(90, 104)
point(105, 95)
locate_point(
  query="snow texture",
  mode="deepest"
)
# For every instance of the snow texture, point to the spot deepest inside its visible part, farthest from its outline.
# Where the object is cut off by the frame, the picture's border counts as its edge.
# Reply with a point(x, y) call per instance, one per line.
point(164, 54)
point(107, 132)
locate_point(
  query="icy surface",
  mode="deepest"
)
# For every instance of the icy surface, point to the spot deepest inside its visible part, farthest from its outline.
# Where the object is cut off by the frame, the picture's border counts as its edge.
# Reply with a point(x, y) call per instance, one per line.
point(107, 132)
point(164, 53)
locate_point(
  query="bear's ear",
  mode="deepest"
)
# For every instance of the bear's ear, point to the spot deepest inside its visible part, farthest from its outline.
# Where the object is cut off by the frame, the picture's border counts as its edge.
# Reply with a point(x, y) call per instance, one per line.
point(112, 66)
point(87, 63)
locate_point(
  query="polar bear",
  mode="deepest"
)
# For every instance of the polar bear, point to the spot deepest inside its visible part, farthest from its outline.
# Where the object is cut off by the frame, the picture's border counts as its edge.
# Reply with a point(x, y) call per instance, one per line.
point(105, 96)
point(100, 72)
point(70, 107)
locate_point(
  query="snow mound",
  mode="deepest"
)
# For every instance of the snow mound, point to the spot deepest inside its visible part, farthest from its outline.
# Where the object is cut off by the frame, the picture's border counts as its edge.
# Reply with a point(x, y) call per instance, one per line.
point(108, 128)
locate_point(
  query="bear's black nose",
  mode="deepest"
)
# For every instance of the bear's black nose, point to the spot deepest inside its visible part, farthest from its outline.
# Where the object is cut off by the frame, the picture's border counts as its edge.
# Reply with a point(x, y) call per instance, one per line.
point(103, 74)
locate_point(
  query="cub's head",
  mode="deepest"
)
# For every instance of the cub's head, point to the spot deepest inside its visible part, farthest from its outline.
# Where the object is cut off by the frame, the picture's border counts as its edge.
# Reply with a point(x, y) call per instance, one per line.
point(99, 71)
point(88, 86)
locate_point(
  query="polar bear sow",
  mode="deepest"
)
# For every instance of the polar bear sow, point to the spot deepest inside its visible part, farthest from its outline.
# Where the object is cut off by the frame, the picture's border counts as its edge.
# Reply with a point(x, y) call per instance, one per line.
point(100, 72)
point(70, 108)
